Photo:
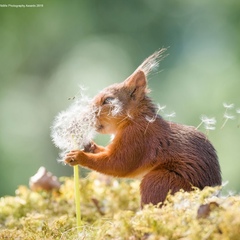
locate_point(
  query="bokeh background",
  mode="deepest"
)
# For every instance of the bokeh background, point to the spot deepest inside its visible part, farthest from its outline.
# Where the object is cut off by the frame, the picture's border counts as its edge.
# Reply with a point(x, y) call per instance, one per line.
point(47, 52)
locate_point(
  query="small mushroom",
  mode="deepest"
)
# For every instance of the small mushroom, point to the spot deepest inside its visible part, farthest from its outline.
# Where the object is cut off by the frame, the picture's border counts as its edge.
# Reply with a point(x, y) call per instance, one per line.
point(205, 209)
point(43, 180)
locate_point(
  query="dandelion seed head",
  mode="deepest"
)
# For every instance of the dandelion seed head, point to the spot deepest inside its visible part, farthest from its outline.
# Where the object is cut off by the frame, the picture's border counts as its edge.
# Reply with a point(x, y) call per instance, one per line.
point(74, 127)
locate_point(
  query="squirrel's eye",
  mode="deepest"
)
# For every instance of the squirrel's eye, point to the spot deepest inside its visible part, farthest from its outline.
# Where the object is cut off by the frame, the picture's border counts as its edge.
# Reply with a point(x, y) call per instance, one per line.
point(108, 100)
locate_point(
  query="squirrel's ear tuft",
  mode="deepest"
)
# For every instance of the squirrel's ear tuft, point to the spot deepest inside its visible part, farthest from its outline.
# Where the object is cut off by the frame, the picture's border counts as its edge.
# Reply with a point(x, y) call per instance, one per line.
point(137, 82)
point(152, 61)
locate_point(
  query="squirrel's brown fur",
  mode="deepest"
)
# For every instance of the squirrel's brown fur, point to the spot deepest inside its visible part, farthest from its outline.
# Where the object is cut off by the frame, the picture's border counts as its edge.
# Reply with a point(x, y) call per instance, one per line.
point(167, 156)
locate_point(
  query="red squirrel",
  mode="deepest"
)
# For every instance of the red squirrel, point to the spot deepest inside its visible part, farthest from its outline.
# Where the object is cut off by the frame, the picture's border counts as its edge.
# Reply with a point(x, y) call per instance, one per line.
point(166, 156)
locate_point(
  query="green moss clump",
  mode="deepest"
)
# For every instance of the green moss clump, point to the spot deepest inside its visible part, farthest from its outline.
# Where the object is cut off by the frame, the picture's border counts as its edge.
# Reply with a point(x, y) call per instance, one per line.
point(110, 210)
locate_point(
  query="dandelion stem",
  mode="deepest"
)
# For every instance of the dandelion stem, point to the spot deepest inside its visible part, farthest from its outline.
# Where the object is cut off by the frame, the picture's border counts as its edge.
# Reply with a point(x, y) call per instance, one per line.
point(227, 117)
point(77, 190)
point(77, 195)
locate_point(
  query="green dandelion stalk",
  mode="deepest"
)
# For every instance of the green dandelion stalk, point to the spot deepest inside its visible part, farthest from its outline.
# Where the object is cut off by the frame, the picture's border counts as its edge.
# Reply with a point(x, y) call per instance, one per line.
point(77, 190)
point(77, 195)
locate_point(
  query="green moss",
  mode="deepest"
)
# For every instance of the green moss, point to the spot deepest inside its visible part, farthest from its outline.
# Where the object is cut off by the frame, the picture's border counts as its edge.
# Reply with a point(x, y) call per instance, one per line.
point(110, 210)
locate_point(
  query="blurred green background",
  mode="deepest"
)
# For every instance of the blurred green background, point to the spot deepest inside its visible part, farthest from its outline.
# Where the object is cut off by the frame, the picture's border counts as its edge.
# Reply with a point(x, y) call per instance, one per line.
point(47, 52)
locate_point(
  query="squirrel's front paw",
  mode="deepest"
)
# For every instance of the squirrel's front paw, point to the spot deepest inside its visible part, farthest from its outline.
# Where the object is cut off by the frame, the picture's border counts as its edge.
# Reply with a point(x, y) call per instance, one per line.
point(90, 147)
point(72, 157)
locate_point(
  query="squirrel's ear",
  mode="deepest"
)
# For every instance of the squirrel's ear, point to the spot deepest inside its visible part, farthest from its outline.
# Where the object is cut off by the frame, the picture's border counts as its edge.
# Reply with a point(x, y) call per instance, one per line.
point(137, 79)
point(137, 84)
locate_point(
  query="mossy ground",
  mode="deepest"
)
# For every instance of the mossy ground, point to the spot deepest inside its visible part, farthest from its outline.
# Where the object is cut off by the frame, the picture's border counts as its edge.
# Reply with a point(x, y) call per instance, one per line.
point(110, 210)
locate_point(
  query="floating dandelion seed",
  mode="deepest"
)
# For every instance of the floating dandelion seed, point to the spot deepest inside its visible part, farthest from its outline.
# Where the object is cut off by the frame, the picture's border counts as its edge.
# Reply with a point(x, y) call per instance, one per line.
point(238, 112)
point(170, 116)
point(210, 127)
point(227, 117)
point(81, 89)
point(209, 123)
point(161, 108)
point(153, 119)
point(228, 106)
point(74, 127)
